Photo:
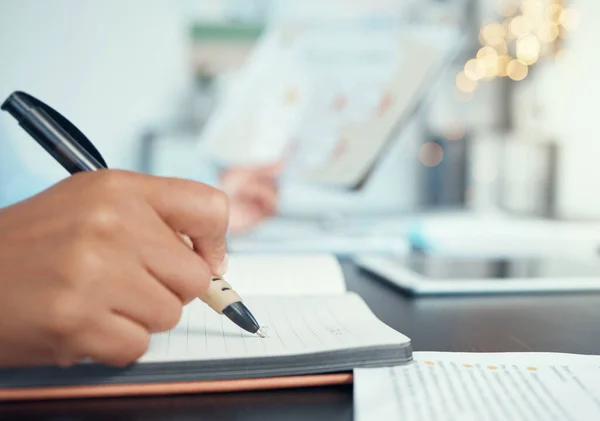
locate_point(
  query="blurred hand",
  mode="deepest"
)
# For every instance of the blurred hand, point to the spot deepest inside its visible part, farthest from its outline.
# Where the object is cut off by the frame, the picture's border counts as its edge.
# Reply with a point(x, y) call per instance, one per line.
point(95, 264)
point(253, 195)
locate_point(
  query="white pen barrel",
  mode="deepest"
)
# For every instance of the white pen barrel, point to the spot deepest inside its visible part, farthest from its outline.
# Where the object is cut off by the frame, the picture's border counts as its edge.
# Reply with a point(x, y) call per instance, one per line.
point(219, 295)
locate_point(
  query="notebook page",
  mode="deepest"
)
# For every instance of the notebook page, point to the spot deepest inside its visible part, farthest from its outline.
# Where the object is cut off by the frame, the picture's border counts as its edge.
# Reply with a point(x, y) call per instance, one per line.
point(283, 274)
point(293, 326)
point(468, 386)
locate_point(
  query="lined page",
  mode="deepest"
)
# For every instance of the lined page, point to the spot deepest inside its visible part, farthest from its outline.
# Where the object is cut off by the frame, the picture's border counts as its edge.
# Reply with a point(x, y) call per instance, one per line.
point(292, 326)
point(283, 274)
point(468, 386)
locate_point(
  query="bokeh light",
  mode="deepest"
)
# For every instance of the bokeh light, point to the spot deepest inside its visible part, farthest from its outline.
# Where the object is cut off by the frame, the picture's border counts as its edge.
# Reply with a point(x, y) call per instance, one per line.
point(431, 154)
point(475, 69)
point(517, 70)
point(489, 57)
point(506, 9)
point(501, 48)
point(528, 49)
point(464, 83)
point(521, 25)
point(503, 62)
point(569, 19)
point(486, 51)
point(528, 31)
point(493, 33)
point(455, 131)
point(547, 32)
point(533, 10)
point(563, 32)
point(506, 25)
point(553, 13)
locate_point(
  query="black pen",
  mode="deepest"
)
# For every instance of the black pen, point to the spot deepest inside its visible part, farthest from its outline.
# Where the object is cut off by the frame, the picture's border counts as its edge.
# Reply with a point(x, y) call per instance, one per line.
point(72, 149)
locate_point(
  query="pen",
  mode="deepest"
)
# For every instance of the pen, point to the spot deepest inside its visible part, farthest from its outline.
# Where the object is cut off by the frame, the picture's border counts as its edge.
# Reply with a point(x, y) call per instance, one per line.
point(72, 149)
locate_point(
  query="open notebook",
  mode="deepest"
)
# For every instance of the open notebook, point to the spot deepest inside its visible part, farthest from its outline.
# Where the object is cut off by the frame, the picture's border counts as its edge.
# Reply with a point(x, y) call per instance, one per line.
point(315, 332)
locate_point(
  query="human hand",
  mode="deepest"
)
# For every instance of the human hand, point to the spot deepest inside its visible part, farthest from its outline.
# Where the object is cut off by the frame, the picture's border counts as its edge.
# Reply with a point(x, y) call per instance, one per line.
point(253, 195)
point(95, 264)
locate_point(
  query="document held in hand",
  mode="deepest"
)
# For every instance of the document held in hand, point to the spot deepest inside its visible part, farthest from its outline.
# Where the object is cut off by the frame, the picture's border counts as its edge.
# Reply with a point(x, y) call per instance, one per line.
point(329, 102)
point(316, 333)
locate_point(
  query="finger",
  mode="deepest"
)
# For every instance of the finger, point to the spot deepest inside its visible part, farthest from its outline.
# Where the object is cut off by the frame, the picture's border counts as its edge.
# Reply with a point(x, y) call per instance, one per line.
point(146, 301)
point(111, 339)
point(171, 259)
point(196, 210)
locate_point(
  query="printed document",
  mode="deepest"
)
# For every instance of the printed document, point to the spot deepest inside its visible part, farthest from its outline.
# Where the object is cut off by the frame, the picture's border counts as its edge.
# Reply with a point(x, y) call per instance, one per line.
point(498, 386)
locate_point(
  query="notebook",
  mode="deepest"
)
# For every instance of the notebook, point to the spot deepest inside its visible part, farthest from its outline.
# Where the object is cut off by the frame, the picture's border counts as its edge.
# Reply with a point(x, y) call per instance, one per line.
point(316, 333)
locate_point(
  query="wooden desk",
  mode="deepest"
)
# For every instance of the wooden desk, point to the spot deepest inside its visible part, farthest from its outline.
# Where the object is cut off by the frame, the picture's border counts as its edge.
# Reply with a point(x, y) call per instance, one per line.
point(558, 323)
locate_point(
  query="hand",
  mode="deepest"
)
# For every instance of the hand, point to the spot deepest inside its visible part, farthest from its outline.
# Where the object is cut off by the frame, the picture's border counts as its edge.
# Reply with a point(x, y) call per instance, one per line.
point(252, 195)
point(95, 264)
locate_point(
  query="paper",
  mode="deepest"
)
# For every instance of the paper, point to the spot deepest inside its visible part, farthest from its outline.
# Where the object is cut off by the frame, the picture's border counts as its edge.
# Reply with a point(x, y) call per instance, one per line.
point(253, 121)
point(290, 274)
point(462, 387)
point(326, 99)
point(393, 82)
point(292, 325)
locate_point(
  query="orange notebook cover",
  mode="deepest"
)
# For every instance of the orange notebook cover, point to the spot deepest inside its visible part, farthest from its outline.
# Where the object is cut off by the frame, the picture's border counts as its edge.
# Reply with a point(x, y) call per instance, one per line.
point(173, 388)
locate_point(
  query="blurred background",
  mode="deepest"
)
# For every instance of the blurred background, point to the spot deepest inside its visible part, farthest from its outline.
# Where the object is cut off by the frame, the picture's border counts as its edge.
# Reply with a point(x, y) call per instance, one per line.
point(393, 121)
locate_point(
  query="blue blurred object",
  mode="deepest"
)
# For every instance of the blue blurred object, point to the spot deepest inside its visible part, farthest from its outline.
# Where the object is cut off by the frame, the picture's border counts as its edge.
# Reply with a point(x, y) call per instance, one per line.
point(16, 181)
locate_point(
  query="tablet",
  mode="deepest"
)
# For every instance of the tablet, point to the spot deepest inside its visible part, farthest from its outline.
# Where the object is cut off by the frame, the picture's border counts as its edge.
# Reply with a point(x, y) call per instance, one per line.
point(422, 273)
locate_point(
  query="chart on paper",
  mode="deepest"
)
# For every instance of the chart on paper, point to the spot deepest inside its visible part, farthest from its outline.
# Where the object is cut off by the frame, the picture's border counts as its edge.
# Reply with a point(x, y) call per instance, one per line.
point(498, 387)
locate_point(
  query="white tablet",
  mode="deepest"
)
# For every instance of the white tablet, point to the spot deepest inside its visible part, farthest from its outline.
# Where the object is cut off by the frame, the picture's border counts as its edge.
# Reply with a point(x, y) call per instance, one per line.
point(433, 274)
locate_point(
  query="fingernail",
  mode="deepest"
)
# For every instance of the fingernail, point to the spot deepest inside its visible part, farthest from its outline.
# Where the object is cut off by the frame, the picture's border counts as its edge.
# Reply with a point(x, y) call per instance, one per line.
point(224, 265)
point(187, 240)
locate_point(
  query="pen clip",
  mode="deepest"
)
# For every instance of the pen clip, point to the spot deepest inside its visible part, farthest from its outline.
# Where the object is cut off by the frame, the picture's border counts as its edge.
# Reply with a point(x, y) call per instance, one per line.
point(59, 119)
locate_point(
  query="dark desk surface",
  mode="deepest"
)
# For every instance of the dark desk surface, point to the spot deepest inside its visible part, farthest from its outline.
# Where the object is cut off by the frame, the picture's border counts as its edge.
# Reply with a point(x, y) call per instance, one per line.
point(556, 323)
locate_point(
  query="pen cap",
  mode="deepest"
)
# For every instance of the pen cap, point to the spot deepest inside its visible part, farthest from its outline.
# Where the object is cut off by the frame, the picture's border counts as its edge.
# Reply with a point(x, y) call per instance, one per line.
point(57, 135)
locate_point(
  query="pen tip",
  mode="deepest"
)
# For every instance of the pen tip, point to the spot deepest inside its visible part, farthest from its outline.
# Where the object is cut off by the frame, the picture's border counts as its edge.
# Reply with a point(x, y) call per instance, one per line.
point(260, 333)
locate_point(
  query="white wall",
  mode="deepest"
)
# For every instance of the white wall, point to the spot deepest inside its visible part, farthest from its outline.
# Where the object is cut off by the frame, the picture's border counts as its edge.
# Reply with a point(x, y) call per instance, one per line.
point(111, 66)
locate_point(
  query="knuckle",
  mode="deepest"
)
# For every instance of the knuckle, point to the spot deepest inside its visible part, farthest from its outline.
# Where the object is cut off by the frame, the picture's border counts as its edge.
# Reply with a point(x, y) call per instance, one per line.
point(101, 220)
point(82, 263)
point(218, 201)
point(66, 316)
point(112, 181)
